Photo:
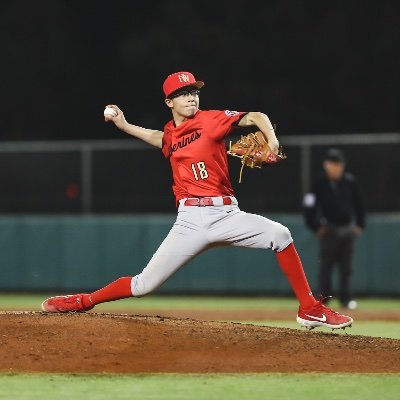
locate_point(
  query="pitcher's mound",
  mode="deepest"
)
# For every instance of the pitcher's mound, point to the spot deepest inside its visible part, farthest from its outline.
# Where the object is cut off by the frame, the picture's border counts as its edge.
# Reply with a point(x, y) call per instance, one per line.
point(34, 341)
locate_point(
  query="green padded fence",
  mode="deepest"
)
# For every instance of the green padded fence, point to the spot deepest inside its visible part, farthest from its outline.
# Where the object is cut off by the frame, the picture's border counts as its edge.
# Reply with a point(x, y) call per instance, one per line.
point(71, 253)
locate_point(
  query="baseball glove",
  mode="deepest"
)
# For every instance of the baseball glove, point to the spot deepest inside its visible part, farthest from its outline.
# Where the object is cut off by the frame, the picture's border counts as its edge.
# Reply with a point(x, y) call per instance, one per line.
point(254, 151)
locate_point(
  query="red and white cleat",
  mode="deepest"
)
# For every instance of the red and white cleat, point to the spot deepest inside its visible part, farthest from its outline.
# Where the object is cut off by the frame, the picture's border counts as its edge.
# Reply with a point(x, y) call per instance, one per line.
point(320, 315)
point(62, 304)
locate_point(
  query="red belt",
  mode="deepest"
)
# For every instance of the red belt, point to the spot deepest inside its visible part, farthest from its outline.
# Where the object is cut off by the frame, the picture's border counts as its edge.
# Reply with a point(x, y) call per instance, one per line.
point(206, 201)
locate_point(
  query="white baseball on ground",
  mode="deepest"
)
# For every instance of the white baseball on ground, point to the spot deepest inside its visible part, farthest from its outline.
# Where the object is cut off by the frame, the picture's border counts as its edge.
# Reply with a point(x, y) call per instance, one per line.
point(110, 112)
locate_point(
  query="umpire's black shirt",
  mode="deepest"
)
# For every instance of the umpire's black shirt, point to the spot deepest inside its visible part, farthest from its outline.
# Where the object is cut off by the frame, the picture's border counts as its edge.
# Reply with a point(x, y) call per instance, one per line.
point(336, 203)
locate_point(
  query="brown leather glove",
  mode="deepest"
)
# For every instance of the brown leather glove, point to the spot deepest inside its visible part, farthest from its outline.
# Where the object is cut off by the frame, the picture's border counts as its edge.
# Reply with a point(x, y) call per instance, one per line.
point(254, 151)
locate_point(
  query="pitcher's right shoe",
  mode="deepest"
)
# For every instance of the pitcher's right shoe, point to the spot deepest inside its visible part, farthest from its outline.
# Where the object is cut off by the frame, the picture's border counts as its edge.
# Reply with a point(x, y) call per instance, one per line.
point(321, 315)
point(70, 303)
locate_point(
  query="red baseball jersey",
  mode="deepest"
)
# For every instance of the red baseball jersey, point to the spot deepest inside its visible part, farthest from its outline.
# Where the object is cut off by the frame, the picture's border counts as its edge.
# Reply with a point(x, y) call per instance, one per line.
point(197, 153)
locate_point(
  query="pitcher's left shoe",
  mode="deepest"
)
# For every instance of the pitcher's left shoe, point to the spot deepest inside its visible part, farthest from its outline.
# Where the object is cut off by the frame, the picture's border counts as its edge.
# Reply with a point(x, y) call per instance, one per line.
point(61, 304)
point(321, 315)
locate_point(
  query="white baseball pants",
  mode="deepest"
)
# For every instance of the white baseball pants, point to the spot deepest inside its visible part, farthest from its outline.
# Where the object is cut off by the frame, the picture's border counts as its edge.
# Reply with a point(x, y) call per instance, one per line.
point(197, 229)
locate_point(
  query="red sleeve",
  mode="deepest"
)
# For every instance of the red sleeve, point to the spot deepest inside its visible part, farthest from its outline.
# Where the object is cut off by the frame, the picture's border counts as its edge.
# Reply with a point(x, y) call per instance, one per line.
point(225, 122)
point(166, 140)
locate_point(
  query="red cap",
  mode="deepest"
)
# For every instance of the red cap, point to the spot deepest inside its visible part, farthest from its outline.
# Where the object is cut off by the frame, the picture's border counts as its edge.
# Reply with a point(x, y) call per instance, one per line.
point(179, 80)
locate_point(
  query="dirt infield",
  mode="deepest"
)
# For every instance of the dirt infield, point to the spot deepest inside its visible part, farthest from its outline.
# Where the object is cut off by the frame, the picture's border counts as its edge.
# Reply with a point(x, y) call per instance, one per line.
point(92, 342)
point(262, 315)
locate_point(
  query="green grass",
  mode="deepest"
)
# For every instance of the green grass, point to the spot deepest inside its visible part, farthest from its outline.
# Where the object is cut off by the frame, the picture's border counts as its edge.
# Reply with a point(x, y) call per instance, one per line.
point(385, 329)
point(234, 303)
point(201, 387)
point(207, 386)
point(388, 329)
point(158, 302)
point(33, 301)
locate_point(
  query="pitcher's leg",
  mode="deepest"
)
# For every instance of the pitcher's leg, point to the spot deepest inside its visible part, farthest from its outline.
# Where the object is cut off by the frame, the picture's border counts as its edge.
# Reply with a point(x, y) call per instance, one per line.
point(292, 267)
point(183, 242)
point(250, 230)
point(242, 229)
point(119, 289)
point(180, 246)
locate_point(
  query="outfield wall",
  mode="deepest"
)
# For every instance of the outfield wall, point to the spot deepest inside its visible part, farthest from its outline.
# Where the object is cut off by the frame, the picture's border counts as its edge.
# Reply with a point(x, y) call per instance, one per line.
point(71, 253)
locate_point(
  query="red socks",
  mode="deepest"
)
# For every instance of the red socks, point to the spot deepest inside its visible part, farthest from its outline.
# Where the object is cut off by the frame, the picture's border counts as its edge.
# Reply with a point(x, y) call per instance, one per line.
point(292, 267)
point(288, 260)
point(119, 289)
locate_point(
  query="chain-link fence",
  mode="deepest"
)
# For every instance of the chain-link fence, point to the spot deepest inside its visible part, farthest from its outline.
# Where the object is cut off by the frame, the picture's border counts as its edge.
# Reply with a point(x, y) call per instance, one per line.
point(128, 176)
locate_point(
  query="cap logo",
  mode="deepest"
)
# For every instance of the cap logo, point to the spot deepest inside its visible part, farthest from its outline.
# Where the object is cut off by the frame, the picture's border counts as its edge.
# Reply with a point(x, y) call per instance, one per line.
point(183, 78)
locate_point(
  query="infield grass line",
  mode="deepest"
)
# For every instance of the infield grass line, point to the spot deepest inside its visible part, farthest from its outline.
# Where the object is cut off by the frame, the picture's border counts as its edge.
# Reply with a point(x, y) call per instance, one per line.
point(383, 329)
point(386, 329)
point(10, 301)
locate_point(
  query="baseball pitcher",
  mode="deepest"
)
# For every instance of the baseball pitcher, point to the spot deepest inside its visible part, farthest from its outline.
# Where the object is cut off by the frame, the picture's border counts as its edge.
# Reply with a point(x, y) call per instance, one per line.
point(208, 213)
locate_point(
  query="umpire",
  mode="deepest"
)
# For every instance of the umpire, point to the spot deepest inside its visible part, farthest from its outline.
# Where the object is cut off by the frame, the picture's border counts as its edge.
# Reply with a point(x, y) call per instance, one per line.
point(333, 210)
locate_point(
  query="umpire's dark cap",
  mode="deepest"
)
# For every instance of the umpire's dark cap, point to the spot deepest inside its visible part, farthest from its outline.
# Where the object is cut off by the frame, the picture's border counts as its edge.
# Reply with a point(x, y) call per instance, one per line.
point(334, 155)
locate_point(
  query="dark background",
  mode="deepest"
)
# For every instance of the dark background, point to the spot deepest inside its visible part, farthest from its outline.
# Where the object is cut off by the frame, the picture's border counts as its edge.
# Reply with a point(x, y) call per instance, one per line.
point(314, 67)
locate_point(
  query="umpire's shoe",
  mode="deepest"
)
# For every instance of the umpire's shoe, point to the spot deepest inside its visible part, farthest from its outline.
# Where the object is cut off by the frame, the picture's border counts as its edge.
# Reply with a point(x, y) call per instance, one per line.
point(60, 304)
point(321, 315)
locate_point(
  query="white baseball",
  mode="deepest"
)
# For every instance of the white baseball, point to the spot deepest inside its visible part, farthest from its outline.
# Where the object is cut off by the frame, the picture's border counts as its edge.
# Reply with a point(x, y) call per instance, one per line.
point(110, 112)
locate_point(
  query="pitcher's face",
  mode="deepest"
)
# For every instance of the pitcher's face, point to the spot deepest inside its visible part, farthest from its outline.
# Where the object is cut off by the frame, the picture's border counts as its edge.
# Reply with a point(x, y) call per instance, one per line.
point(185, 102)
